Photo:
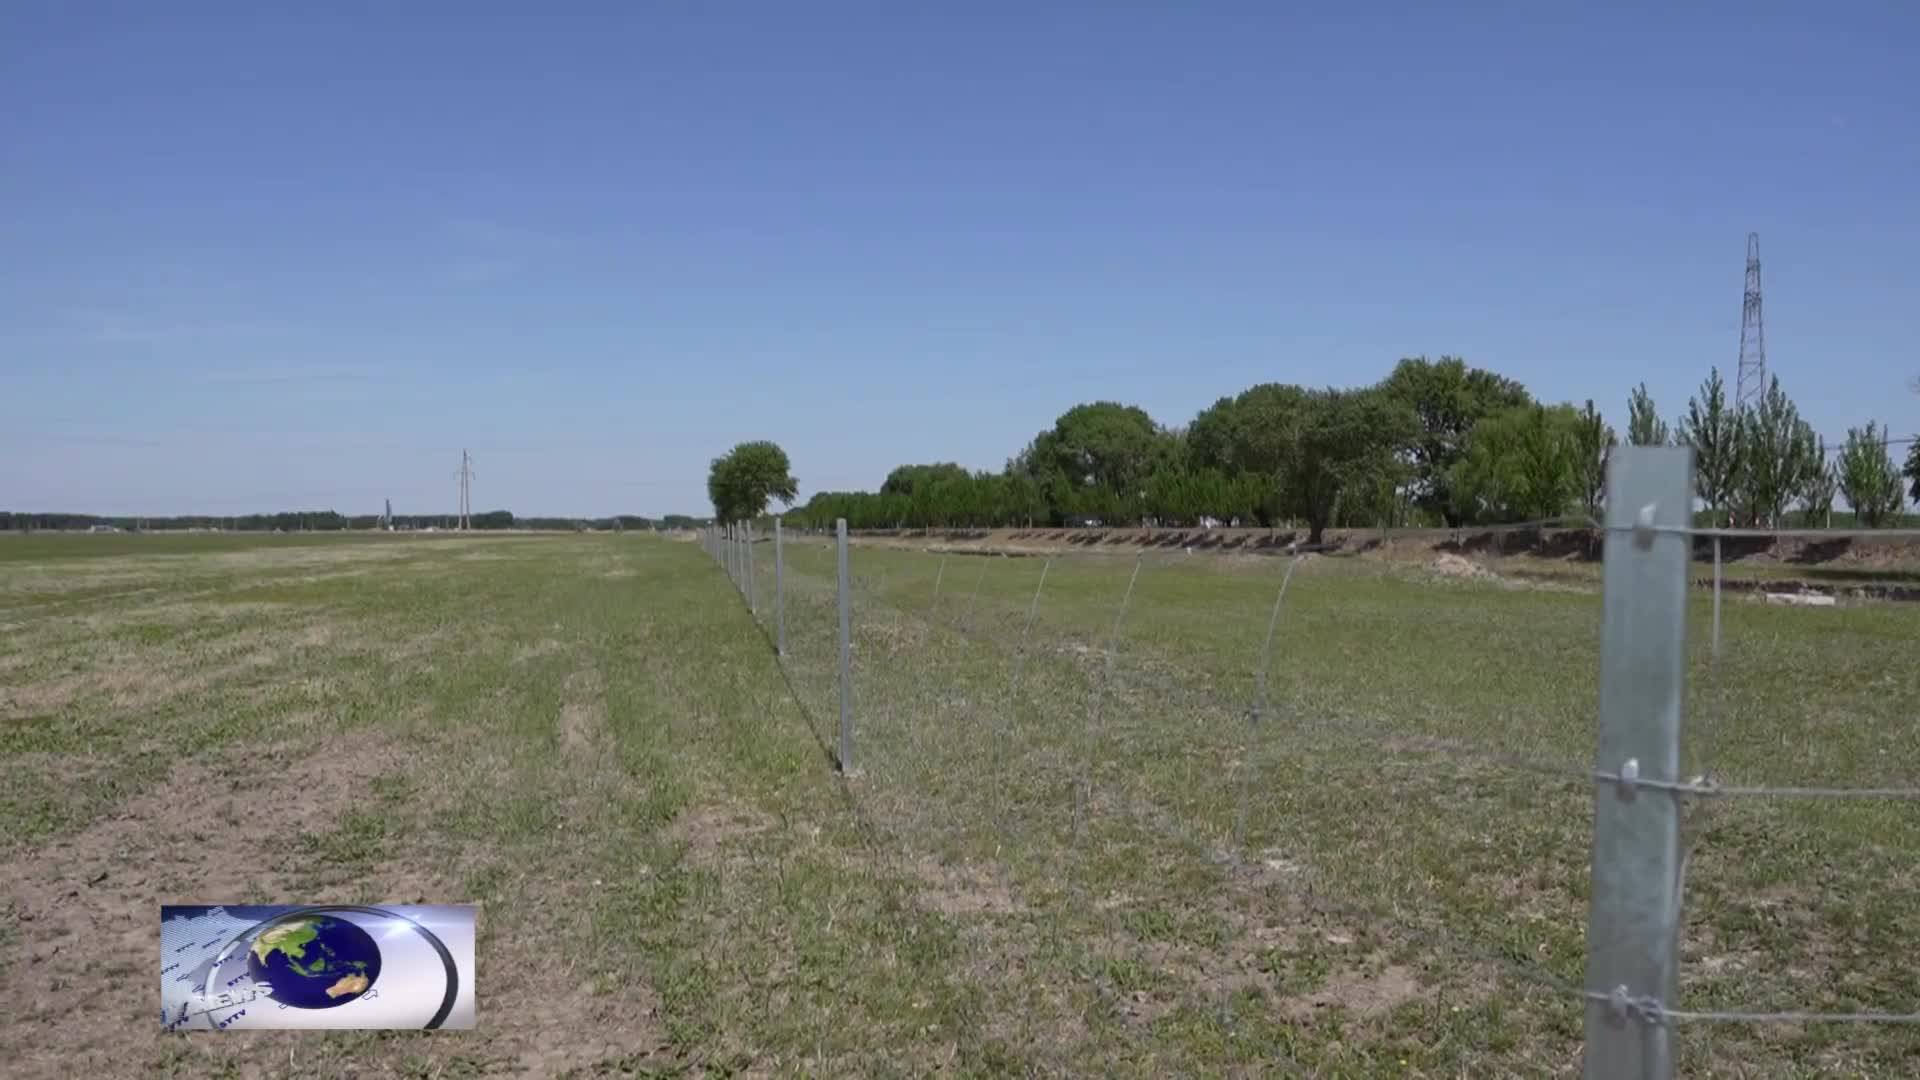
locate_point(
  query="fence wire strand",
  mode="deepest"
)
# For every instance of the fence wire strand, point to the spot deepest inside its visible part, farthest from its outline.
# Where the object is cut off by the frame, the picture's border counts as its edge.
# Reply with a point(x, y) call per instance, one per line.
point(1113, 677)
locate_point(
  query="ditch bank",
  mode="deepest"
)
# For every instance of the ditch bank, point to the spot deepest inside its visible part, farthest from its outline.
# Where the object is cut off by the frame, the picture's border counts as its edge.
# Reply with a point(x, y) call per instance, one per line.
point(1857, 566)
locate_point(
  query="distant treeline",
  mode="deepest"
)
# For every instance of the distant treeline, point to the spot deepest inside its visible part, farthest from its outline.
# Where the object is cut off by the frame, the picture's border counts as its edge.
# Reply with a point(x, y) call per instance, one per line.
point(327, 521)
point(1434, 443)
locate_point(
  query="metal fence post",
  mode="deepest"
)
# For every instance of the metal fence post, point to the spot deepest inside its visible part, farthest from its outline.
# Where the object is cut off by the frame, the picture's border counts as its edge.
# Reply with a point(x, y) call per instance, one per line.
point(1256, 714)
point(747, 541)
point(846, 653)
point(1083, 795)
point(974, 596)
point(1633, 927)
point(726, 550)
point(779, 594)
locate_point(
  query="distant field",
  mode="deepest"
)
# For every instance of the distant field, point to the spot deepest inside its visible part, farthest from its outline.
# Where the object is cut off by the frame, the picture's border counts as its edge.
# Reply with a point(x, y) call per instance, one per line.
point(1104, 873)
point(63, 547)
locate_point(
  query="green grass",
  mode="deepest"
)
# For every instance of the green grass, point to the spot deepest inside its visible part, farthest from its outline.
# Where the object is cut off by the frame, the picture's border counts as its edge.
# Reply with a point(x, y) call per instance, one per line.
point(1468, 872)
point(65, 547)
point(591, 737)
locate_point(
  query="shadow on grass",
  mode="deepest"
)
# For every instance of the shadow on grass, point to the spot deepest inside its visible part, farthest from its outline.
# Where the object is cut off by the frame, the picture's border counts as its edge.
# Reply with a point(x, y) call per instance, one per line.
point(863, 822)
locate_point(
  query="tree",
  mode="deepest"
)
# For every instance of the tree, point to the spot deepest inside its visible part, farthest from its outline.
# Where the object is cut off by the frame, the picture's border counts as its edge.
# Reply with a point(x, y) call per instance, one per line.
point(1104, 444)
point(1713, 431)
point(1095, 455)
point(906, 479)
point(1341, 441)
point(1447, 399)
point(1644, 426)
point(1912, 469)
point(1593, 446)
point(1252, 438)
point(742, 481)
point(1521, 465)
point(1816, 494)
point(1776, 456)
point(1867, 476)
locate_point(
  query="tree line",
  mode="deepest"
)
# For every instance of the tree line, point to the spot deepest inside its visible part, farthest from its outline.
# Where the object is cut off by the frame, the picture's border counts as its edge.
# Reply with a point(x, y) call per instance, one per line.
point(1435, 443)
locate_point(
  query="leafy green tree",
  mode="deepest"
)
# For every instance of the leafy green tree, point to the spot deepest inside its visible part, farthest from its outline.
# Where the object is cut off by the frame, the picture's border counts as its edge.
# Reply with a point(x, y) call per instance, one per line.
point(1211, 436)
point(1104, 444)
point(1593, 446)
point(1252, 438)
point(1820, 486)
point(1644, 426)
point(1521, 465)
point(908, 479)
point(1026, 502)
point(1868, 478)
point(743, 480)
point(1341, 441)
point(1248, 433)
point(1447, 399)
point(1912, 469)
point(1095, 455)
point(1713, 430)
point(1776, 455)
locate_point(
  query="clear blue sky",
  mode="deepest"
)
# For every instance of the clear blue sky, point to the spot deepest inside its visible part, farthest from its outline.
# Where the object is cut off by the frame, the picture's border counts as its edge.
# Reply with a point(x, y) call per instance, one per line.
point(255, 262)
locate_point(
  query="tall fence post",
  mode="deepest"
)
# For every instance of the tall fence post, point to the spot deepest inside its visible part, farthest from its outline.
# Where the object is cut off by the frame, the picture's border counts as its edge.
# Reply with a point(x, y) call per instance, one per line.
point(752, 600)
point(999, 739)
point(974, 596)
point(1083, 795)
point(1257, 713)
point(726, 548)
point(1633, 927)
point(846, 652)
point(779, 593)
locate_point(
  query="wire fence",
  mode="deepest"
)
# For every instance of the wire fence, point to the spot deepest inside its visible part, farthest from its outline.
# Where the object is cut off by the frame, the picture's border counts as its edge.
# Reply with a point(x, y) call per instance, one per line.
point(1252, 805)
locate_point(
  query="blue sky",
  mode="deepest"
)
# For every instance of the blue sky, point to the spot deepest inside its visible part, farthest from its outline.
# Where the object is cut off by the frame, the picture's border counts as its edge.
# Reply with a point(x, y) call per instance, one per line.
point(261, 261)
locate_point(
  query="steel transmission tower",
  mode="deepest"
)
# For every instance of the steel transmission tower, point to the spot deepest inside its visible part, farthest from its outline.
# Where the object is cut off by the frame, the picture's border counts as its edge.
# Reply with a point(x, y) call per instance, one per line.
point(466, 498)
point(1750, 381)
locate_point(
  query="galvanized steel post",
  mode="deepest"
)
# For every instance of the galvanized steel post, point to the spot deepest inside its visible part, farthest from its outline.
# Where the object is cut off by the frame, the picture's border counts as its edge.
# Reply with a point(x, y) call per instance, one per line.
point(1633, 926)
point(846, 653)
point(779, 593)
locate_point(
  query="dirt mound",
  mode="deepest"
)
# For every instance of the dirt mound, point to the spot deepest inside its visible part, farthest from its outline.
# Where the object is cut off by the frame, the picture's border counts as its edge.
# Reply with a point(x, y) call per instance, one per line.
point(1458, 566)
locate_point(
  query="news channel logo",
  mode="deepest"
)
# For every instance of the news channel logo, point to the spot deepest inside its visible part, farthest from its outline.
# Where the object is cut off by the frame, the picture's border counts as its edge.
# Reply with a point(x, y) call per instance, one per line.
point(323, 966)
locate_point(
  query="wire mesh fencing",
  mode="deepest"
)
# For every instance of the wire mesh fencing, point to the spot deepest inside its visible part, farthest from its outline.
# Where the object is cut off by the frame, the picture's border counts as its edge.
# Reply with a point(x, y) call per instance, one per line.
point(1301, 811)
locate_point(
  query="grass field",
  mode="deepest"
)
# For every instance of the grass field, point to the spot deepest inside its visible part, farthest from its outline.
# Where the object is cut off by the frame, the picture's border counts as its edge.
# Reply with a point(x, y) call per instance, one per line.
point(1074, 857)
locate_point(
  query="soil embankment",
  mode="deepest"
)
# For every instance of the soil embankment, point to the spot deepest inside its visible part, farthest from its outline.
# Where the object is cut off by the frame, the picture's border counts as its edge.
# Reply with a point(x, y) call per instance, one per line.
point(1856, 564)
